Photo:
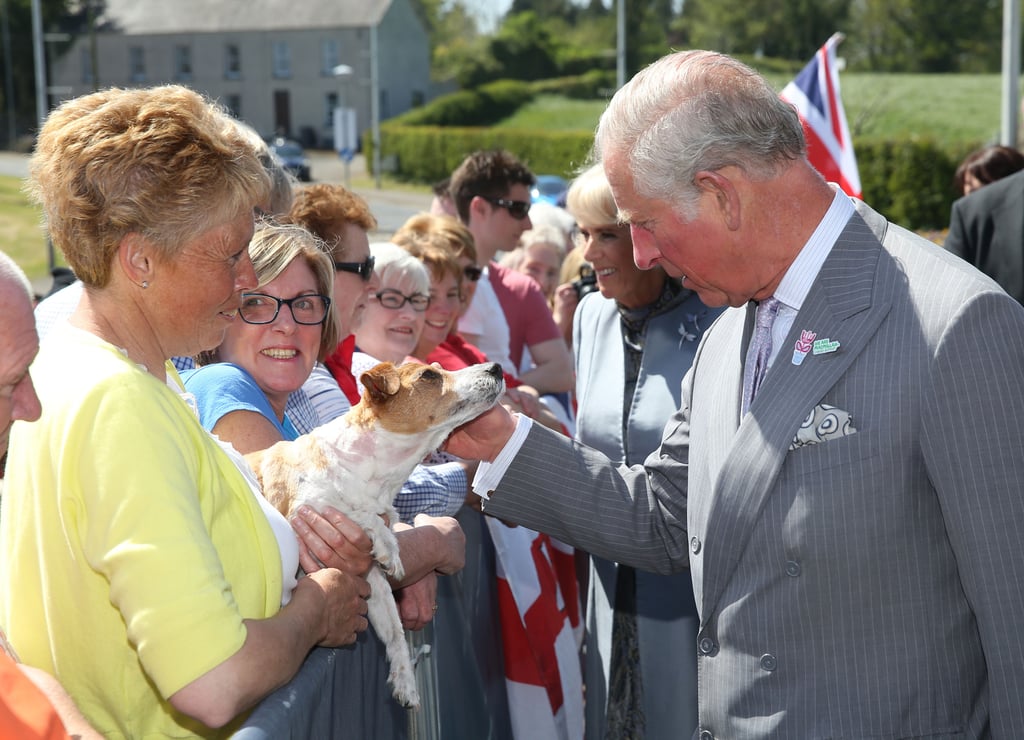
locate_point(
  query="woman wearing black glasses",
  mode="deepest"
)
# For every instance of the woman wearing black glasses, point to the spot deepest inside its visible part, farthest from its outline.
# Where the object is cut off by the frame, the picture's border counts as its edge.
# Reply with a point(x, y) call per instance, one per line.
point(395, 316)
point(285, 325)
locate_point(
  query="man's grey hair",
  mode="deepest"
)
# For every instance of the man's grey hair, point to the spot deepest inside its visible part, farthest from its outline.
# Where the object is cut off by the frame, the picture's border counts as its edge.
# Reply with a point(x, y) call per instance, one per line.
point(692, 111)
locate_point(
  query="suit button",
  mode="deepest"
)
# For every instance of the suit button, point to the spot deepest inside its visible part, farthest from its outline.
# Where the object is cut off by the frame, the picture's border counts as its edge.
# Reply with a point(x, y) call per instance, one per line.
point(706, 735)
point(768, 662)
point(792, 568)
point(695, 545)
point(707, 646)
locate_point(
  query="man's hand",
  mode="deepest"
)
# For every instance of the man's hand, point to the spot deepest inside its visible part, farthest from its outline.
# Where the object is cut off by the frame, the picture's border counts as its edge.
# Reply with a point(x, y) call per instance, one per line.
point(483, 437)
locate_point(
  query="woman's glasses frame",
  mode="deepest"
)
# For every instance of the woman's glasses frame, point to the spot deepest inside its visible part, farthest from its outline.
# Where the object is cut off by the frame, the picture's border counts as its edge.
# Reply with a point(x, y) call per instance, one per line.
point(290, 302)
point(393, 299)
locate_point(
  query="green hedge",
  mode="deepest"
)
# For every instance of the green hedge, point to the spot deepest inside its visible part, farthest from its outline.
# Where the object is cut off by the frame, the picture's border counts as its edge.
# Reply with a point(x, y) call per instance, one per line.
point(483, 106)
point(427, 154)
point(910, 181)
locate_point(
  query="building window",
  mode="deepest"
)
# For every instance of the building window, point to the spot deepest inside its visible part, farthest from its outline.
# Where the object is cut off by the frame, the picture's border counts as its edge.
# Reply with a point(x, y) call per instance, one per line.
point(418, 98)
point(234, 105)
point(232, 62)
point(330, 103)
point(183, 62)
point(282, 60)
point(87, 74)
point(330, 56)
point(137, 64)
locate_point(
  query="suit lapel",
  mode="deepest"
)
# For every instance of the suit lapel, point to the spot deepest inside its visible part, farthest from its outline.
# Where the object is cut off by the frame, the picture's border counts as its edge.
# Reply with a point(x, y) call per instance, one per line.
point(843, 305)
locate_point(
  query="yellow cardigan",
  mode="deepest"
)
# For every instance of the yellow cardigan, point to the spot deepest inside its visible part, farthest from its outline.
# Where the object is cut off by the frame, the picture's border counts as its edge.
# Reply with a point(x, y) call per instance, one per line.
point(131, 548)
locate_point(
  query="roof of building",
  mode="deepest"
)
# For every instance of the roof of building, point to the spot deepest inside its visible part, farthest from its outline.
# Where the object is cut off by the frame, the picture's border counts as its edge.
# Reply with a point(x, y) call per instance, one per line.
point(206, 16)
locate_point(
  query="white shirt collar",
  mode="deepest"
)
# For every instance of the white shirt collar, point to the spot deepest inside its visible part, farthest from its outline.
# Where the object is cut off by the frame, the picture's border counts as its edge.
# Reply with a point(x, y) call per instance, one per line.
point(797, 281)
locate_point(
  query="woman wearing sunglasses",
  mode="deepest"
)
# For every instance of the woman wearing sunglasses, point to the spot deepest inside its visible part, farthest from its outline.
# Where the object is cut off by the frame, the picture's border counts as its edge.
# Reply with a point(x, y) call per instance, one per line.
point(342, 220)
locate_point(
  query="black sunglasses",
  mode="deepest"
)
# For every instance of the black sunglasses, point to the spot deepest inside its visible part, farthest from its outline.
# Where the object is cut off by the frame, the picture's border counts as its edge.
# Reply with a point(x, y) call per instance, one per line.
point(363, 269)
point(517, 209)
point(472, 272)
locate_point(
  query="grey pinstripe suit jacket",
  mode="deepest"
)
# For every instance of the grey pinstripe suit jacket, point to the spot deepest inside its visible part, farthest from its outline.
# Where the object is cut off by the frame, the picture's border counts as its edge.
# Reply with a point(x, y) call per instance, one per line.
point(867, 586)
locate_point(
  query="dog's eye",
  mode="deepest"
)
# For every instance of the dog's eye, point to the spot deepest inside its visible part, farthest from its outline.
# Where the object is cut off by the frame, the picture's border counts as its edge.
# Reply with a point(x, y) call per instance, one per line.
point(430, 375)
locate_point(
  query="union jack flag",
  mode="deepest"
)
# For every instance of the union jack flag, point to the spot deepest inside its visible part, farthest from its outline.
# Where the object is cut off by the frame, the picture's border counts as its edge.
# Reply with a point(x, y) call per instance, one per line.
point(815, 95)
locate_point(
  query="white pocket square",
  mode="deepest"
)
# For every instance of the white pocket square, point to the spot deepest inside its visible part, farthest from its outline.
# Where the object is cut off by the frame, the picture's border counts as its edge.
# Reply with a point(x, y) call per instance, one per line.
point(822, 424)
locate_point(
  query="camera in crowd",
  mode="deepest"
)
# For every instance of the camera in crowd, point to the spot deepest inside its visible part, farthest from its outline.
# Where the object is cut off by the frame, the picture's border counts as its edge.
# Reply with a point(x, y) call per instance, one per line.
point(587, 282)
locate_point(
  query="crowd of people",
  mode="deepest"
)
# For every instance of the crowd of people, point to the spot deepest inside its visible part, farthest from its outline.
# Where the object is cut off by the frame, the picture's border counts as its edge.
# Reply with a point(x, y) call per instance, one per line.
point(755, 473)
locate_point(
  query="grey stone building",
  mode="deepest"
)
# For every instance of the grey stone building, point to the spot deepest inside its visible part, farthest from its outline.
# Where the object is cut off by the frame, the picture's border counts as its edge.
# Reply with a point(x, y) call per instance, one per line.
point(271, 62)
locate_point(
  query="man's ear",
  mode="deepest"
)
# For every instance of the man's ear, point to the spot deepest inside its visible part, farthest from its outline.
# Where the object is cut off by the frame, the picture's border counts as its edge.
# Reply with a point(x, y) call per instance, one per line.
point(478, 208)
point(722, 189)
point(135, 256)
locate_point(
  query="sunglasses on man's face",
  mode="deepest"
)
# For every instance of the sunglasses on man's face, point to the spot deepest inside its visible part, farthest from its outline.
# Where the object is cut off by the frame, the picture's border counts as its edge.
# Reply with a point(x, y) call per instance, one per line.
point(517, 209)
point(363, 269)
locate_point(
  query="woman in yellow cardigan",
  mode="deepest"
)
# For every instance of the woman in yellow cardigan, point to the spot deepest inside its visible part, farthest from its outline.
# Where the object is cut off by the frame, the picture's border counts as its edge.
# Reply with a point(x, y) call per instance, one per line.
point(141, 566)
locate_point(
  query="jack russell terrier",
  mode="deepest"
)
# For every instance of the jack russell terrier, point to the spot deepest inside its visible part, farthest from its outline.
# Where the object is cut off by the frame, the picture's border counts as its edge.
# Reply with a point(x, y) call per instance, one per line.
point(358, 463)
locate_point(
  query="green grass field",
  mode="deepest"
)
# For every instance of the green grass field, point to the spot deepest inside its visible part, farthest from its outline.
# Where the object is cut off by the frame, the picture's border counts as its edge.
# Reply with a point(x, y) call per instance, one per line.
point(949, 108)
point(21, 235)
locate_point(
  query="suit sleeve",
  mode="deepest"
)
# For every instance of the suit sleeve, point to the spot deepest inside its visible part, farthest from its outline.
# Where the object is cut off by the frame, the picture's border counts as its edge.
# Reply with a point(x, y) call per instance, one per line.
point(633, 515)
point(972, 441)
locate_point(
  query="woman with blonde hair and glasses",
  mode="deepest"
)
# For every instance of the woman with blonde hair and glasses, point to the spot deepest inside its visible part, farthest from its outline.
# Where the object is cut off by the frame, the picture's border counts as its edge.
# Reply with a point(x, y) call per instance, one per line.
point(286, 325)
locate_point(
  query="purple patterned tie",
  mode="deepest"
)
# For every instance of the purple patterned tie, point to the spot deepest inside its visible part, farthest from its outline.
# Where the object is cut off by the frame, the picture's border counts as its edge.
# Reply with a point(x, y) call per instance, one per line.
point(758, 351)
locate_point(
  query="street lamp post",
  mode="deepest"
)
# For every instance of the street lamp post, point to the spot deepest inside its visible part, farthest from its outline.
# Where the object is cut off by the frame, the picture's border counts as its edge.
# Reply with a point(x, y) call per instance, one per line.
point(344, 122)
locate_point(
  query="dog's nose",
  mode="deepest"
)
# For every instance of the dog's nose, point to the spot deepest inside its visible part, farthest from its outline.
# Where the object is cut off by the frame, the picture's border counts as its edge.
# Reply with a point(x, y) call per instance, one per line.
point(494, 370)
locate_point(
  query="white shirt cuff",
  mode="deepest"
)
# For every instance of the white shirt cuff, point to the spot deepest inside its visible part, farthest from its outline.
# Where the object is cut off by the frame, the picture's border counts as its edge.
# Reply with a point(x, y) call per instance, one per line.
point(489, 474)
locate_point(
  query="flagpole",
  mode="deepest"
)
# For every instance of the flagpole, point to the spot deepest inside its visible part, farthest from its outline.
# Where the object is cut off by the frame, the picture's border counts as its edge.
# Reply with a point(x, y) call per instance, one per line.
point(1011, 72)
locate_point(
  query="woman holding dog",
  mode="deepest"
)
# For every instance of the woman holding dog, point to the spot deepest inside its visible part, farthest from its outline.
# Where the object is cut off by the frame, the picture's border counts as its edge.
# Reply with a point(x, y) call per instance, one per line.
point(121, 515)
point(242, 387)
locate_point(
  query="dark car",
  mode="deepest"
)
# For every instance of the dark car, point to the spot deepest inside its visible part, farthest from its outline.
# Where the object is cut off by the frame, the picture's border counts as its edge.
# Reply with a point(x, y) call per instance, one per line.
point(549, 189)
point(292, 156)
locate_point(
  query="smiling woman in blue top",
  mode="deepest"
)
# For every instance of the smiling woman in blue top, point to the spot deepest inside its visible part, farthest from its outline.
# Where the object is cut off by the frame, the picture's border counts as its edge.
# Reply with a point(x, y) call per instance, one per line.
point(286, 326)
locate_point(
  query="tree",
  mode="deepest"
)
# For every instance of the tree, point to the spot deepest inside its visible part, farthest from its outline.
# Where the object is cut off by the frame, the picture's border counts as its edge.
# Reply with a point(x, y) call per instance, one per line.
point(456, 46)
point(928, 35)
point(789, 29)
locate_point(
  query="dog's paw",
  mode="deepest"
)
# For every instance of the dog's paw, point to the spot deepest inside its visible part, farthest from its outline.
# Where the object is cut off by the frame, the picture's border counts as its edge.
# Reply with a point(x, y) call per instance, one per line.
point(394, 569)
point(403, 688)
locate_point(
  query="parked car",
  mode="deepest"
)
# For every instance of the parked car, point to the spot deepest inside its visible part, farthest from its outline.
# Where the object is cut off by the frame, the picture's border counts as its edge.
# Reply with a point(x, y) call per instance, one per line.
point(549, 189)
point(292, 156)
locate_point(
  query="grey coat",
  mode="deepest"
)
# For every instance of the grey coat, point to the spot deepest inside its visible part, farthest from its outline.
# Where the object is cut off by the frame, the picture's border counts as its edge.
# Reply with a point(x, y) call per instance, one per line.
point(666, 615)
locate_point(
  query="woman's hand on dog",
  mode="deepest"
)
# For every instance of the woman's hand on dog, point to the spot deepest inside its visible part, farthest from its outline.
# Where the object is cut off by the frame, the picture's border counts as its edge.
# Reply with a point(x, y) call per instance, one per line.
point(342, 605)
point(331, 539)
point(417, 602)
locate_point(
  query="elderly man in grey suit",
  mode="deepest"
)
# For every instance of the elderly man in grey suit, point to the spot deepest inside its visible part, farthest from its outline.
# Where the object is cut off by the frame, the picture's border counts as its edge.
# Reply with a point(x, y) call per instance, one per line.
point(854, 535)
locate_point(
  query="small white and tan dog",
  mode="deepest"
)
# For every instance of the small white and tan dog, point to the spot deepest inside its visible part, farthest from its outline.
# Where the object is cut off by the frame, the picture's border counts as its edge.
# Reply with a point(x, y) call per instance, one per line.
point(358, 463)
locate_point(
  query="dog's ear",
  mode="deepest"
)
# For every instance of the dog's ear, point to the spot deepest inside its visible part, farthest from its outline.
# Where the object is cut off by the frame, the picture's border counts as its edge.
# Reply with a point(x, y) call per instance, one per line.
point(381, 382)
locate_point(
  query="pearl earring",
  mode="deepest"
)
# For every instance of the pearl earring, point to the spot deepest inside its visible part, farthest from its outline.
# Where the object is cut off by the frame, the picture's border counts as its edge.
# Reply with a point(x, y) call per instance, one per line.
point(145, 284)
